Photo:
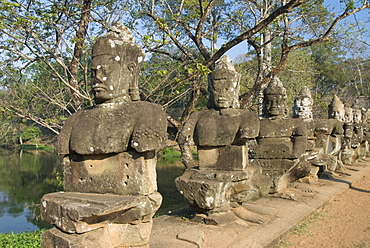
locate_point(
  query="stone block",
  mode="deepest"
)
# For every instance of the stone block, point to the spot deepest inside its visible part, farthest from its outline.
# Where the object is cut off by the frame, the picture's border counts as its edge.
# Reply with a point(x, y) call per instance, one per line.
point(205, 194)
point(82, 212)
point(276, 148)
point(249, 190)
point(126, 173)
point(230, 157)
point(210, 189)
point(282, 128)
point(110, 236)
point(274, 168)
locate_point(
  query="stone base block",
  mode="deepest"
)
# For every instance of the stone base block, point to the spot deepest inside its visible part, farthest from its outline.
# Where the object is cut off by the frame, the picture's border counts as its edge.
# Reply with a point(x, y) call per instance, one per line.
point(126, 173)
point(110, 236)
point(231, 157)
point(347, 156)
point(274, 168)
point(210, 189)
point(74, 212)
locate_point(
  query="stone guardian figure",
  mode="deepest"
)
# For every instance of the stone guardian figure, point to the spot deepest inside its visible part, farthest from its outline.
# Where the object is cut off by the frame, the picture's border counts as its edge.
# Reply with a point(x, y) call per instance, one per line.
point(220, 135)
point(109, 156)
point(281, 143)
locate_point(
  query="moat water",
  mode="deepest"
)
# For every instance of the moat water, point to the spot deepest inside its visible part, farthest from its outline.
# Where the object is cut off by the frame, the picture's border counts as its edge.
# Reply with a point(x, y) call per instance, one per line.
point(25, 176)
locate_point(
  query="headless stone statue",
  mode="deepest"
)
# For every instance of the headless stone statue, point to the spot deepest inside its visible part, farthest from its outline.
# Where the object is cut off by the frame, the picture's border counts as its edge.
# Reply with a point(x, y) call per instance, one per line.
point(220, 134)
point(110, 156)
point(281, 142)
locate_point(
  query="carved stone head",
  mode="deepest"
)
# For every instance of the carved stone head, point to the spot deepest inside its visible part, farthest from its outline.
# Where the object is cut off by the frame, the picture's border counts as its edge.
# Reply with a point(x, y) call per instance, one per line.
point(116, 62)
point(223, 85)
point(336, 109)
point(303, 104)
point(348, 114)
point(274, 100)
point(357, 115)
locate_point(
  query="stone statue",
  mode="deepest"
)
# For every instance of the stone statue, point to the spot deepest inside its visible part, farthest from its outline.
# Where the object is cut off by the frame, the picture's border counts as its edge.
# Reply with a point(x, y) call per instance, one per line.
point(347, 151)
point(358, 141)
point(220, 135)
point(110, 156)
point(333, 143)
point(323, 135)
point(281, 142)
point(336, 109)
point(303, 105)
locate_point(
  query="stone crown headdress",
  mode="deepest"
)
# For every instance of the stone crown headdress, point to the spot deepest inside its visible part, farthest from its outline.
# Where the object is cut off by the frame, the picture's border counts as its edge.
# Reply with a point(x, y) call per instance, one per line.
point(336, 103)
point(225, 66)
point(119, 42)
point(305, 92)
point(275, 87)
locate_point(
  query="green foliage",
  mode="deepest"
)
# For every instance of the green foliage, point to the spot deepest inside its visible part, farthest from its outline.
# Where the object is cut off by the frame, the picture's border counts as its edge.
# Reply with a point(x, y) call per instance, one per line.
point(20, 240)
point(31, 134)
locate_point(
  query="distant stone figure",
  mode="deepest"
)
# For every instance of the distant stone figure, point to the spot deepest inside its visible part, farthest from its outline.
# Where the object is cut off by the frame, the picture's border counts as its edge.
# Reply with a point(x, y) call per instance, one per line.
point(109, 148)
point(223, 127)
point(220, 135)
point(303, 105)
point(336, 109)
point(281, 142)
point(323, 136)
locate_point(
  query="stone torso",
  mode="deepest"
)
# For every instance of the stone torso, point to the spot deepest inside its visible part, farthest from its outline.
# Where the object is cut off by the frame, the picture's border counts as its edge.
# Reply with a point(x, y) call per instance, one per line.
point(225, 127)
point(103, 130)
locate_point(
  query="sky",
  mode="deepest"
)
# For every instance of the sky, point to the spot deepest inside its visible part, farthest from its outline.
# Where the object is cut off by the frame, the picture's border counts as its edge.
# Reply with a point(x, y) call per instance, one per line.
point(335, 5)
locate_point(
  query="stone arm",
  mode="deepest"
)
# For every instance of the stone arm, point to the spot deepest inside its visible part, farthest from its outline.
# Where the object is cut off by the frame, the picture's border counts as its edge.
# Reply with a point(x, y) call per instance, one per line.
point(299, 138)
point(186, 135)
point(337, 133)
point(150, 131)
point(337, 146)
point(249, 126)
point(62, 143)
point(185, 139)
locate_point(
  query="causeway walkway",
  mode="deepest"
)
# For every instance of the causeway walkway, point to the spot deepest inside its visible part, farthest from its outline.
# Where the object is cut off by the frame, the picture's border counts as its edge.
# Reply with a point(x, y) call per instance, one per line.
point(282, 213)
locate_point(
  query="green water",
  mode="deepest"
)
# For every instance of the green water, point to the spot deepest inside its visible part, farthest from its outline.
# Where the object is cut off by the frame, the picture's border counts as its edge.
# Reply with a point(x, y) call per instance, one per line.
point(25, 176)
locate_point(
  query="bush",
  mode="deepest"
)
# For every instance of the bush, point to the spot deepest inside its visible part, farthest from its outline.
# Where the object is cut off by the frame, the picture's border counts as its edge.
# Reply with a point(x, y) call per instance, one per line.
point(20, 240)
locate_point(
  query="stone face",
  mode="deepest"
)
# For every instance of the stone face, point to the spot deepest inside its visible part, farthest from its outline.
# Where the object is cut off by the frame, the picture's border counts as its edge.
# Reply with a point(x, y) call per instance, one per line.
point(74, 212)
point(336, 109)
point(303, 105)
point(125, 173)
point(274, 100)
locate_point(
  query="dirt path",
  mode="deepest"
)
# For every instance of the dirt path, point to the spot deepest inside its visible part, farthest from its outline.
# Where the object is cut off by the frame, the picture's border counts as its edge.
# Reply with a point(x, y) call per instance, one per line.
point(342, 223)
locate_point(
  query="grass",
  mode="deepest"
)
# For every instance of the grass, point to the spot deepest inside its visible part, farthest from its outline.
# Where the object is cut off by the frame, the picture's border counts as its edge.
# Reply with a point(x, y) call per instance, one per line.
point(37, 147)
point(20, 240)
point(303, 228)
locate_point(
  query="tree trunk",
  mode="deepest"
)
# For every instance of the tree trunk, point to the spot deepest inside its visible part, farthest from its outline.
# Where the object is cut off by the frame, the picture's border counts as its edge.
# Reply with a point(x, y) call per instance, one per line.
point(77, 53)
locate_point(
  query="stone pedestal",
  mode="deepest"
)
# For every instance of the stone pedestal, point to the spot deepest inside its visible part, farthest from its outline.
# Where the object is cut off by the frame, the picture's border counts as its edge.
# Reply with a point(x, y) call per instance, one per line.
point(210, 189)
point(230, 157)
point(110, 236)
point(98, 220)
point(74, 212)
point(125, 173)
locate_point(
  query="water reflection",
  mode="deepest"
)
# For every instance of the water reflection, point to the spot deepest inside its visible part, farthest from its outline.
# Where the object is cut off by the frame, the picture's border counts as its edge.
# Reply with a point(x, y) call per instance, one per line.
point(27, 175)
